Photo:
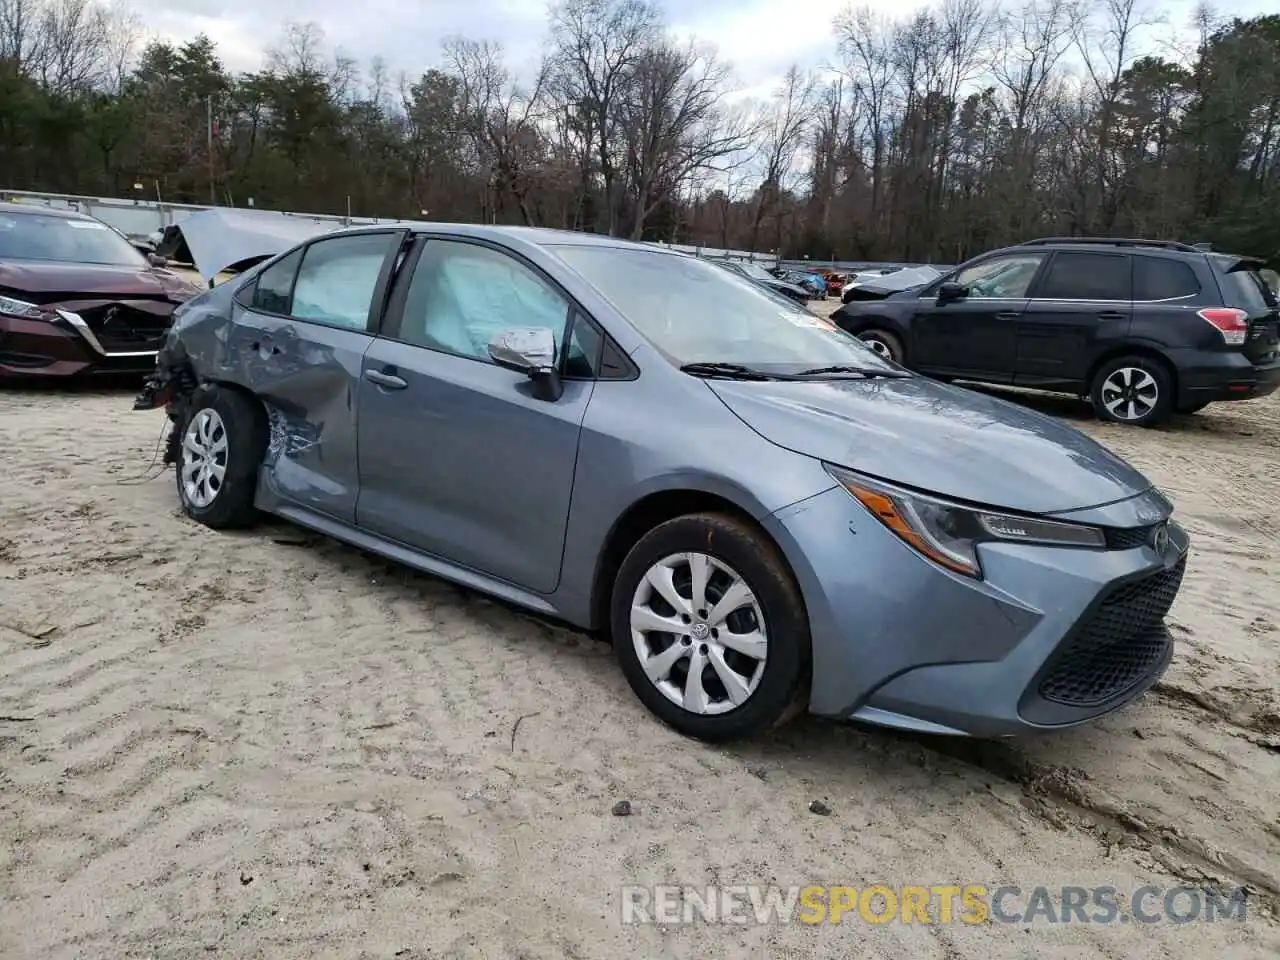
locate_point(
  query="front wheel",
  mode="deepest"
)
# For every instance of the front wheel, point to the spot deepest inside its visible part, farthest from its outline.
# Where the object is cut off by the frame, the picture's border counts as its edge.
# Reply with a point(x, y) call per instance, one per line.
point(223, 438)
point(883, 343)
point(710, 629)
point(1133, 390)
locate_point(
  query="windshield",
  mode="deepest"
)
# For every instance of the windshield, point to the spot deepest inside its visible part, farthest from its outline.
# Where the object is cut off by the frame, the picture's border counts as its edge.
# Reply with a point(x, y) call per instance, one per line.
point(39, 236)
point(694, 312)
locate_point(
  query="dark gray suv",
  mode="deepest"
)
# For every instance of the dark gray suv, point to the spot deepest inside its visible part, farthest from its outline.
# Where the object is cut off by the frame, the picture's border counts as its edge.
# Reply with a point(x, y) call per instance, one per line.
point(1143, 328)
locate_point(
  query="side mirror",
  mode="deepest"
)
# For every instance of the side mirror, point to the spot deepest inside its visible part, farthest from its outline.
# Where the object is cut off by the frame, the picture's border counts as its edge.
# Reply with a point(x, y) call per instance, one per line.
point(531, 351)
point(156, 260)
point(951, 290)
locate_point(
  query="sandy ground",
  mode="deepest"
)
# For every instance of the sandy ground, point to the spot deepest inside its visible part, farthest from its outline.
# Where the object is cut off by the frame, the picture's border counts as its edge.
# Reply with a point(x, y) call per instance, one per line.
point(270, 745)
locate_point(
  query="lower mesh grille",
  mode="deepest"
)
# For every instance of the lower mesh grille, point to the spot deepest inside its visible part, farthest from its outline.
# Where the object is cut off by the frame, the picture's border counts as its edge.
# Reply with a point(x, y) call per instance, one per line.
point(1118, 645)
point(121, 329)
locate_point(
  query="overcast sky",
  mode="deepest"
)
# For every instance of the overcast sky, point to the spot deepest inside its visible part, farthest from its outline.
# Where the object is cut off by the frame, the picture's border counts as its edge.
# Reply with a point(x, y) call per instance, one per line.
point(760, 37)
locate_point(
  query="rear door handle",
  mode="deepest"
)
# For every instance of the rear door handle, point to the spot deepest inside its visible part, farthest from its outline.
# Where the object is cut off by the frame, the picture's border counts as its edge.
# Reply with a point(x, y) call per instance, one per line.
point(1111, 315)
point(387, 380)
point(1008, 316)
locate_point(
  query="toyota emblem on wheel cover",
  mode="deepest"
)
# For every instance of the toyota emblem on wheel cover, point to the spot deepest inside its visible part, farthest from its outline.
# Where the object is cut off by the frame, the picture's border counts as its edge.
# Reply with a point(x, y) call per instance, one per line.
point(1160, 538)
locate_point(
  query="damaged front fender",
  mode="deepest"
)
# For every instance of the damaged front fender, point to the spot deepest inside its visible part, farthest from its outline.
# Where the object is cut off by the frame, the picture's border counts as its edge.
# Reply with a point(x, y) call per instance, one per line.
point(171, 386)
point(174, 380)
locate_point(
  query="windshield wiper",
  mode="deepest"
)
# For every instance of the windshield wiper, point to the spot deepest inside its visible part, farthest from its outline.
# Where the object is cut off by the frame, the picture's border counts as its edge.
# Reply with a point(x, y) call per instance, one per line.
point(733, 371)
point(868, 372)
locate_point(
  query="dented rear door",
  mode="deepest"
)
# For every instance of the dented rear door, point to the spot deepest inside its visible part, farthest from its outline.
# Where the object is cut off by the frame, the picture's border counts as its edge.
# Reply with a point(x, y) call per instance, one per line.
point(300, 344)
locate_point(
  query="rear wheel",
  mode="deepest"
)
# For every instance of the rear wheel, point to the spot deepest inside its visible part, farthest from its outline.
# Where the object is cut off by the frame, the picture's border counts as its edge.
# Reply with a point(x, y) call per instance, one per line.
point(223, 438)
point(710, 629)
point(884, 343)
point(1133, 390)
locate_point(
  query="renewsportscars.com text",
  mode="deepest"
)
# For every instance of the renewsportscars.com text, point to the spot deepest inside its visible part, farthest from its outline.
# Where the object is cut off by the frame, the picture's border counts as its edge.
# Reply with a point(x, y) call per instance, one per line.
point(969, 904)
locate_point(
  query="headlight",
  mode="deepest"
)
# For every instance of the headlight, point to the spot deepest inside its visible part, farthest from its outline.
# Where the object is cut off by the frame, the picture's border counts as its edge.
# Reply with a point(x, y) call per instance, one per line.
point(949, 533)
point(20, 308)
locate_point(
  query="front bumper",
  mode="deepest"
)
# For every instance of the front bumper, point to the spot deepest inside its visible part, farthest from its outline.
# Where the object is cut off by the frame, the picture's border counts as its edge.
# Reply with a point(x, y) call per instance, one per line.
point(1051, 637)
point(39, 349)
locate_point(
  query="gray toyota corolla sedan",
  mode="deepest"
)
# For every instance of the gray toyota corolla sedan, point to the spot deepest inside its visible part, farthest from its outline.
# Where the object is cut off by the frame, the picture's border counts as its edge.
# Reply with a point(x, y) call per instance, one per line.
point(761, 514)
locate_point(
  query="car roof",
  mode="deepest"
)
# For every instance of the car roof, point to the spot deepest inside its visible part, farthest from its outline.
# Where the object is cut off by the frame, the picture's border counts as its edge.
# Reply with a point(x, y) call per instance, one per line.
point(540, 236)
point(42, 211)
point(1173, 248)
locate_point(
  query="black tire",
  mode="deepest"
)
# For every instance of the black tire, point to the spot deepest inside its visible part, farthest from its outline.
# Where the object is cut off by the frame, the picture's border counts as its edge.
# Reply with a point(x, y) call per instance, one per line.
point(1189, 408)
point(783, 687)
point(1158, 407)
point(880, 340)
point(244, 426)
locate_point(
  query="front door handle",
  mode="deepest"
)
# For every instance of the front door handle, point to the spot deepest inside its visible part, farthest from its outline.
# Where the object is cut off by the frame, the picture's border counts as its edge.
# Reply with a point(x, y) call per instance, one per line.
point(387, 380)
point(1111, 315)
point(1008, 316)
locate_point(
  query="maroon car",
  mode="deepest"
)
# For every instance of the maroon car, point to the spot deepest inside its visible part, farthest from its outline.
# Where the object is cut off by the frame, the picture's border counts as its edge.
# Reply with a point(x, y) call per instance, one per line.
point(77, 298)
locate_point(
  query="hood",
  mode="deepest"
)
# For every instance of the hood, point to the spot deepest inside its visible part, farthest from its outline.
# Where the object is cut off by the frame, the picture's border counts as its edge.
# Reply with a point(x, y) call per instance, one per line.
point(937, 438)
point(220, 238)
point(49, 281)
point(900, 282)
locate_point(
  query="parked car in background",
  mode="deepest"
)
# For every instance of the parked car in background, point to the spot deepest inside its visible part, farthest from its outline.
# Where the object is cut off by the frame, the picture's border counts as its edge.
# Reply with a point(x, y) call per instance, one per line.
point(876, 285)
point(833, 279)
point(811, 283)
point(747, 501)
point(76, 296)
point(1142, 328)
point(762, 277)
point(863, 275)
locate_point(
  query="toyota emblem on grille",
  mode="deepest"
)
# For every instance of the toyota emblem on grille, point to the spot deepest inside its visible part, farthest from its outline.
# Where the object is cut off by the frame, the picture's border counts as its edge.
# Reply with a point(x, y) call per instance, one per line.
point(1160, 538)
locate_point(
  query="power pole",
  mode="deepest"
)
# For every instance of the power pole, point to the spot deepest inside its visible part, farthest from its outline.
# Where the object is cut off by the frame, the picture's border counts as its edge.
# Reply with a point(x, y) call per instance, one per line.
point(213, 190)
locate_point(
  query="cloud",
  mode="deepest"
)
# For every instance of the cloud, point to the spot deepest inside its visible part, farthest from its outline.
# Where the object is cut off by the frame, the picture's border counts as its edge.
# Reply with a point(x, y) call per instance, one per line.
point(761, 38)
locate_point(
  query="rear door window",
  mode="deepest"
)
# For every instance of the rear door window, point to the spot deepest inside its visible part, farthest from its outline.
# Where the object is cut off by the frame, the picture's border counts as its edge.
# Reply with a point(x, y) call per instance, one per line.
point(1159, 278)
point(274, 286)
point(1087, 276)
point(337, 279)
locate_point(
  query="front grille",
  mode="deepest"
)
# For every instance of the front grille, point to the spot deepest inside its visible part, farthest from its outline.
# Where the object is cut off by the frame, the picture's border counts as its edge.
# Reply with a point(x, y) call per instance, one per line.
point(1119, 538)
point(120, 328)
point(1118, 645)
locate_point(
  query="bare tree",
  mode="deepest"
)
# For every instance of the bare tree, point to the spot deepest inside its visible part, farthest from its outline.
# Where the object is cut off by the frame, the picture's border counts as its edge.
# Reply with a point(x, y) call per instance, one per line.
point(597, 46)
point(782, 131)
point(866, 44)
point(1035, 37)
point(499, 117)
point(300, 50)
point(1107, 42)
point(73, 35)
point(123, 34)
point(672, 126)
point(20, 22)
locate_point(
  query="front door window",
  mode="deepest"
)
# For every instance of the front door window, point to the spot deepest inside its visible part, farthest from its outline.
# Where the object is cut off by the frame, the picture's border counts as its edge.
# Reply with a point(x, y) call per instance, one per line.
point(1003, 278)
